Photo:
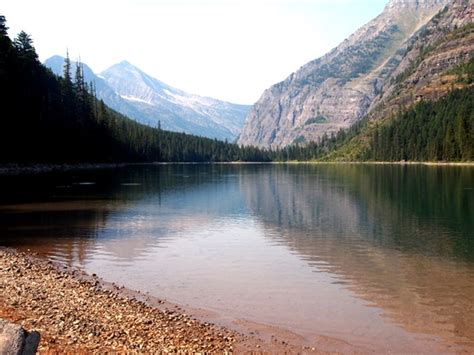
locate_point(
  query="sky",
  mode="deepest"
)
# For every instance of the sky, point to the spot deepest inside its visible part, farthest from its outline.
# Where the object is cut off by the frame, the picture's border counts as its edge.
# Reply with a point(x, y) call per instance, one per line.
point(227, 49)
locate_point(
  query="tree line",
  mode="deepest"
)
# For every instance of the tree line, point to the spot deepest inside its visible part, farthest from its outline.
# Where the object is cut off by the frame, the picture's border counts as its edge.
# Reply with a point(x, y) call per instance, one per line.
point(47, 118)
point(428, 131)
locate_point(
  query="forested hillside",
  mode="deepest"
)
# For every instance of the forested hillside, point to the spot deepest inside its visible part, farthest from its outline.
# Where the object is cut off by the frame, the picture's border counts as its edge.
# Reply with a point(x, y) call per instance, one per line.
point(46, 118)
point(427, 115)
point(428, 131)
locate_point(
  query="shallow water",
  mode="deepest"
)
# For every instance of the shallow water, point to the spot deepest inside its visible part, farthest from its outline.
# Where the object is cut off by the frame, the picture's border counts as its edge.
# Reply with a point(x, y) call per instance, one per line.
point(379, 256)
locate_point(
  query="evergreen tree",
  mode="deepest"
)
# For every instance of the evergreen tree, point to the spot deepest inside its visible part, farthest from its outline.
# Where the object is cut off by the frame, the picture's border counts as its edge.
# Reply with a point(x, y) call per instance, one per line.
point(49, 119)
point(79, 77)
point(5, 51)
point(3, 26)
point(24, 46)
point(81, 90)
point(67, 70)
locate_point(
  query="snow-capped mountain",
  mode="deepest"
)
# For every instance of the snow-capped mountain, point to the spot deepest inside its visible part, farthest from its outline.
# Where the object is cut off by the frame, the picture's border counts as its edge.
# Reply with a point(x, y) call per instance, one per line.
point(143, 98)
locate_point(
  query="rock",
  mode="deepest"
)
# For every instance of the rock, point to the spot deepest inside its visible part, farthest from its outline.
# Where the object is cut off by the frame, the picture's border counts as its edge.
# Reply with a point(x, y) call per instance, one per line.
point(31, 343)
point(15, 340)
point(339, 89)
point(74, 316)
point(12, 337)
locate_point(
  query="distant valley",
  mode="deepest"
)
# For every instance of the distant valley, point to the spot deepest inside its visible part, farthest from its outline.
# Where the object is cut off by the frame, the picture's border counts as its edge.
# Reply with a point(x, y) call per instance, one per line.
point(130, 91)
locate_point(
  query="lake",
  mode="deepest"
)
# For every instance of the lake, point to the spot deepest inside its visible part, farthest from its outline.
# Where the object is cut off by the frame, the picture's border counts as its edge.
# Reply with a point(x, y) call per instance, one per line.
point(378, 256)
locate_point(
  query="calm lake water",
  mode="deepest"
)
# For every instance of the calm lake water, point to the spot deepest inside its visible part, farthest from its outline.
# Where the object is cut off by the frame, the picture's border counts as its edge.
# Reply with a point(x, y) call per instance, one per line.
point(379, 256)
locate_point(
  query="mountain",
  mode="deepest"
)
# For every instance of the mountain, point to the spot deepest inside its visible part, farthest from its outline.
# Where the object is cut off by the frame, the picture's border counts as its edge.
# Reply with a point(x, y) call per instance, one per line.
point(104, 92)
point(176, 109)
point(428, 58)
point(147, 100)
point(340, 88)
point(50, 119)
point(425, 108)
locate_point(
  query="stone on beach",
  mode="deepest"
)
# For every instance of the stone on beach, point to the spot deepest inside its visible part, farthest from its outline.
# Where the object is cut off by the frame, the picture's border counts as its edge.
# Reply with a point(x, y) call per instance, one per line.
point(15, 340)
point(80, 315)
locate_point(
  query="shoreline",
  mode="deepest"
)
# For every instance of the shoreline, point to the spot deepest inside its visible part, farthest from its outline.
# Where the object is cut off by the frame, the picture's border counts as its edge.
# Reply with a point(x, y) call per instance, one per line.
point(77, 312)
point(30, 169)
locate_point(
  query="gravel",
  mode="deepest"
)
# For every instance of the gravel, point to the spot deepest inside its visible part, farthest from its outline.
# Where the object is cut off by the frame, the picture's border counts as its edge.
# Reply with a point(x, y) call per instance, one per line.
point(74, 314)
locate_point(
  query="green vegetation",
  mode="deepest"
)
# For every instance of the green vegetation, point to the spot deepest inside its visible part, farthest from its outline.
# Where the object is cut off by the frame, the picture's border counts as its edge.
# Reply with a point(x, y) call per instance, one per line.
point(323, 148)
point(425, 51)
point(460, 32)
point(428, 131)
point(317, 120)
point(464, 72)
point(299, 140)
point(46, 118)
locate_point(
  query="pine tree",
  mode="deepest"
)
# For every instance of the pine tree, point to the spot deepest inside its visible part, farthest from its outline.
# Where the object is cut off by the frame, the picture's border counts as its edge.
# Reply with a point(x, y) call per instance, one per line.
point(79, 79)
point(80, 86)
point(67, 70)
point(24, 45)
point(3, 26)
point(5, 50)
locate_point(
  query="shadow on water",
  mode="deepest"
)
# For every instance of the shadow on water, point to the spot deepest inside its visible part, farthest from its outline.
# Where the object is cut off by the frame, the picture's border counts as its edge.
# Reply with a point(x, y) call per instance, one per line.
point(65, 214)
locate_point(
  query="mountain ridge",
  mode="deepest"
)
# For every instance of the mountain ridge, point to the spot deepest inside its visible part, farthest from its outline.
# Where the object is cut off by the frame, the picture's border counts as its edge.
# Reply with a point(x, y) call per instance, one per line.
point(425, 110)
point(337, 89)
point(134, 93)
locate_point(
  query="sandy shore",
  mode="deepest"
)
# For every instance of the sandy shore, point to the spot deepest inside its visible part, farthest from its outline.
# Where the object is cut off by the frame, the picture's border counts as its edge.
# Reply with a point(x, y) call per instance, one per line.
point(75, 312)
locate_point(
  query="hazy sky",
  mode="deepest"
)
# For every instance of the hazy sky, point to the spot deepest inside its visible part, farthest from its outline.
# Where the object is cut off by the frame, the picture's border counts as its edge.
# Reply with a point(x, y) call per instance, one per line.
point(227, 49)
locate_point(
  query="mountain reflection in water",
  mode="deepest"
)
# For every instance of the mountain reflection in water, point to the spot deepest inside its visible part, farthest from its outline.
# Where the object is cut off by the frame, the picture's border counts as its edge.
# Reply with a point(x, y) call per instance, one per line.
point(380, 255)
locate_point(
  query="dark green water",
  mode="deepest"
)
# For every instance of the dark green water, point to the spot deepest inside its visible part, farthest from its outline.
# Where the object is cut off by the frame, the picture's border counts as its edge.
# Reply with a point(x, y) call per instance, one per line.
point(381, 256)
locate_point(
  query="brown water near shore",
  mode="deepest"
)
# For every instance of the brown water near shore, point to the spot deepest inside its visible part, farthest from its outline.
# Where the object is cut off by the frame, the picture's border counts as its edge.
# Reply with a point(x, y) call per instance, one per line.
point(380, 257)
point(92, 298)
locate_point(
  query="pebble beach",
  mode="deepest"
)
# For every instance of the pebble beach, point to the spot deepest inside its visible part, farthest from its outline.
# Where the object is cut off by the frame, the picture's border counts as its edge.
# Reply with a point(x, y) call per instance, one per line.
point(79, 313)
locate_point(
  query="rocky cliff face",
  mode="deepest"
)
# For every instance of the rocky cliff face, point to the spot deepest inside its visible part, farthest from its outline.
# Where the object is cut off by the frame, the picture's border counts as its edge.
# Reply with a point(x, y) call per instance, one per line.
point(337, 90)
point(423, 72)
point(434, 61)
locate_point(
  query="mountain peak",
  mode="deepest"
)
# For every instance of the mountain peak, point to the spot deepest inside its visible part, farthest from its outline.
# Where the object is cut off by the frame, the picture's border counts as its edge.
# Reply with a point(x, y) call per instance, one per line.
point(333, 92)
point(126, 64)
point(398, 4)
point(56, 64)
point(132, 92)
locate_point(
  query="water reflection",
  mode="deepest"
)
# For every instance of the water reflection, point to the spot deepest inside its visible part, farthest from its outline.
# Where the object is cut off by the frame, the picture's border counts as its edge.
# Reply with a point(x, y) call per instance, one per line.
point(62, 211)
point(401, 238)
point(426, 210)
point(354, 251)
